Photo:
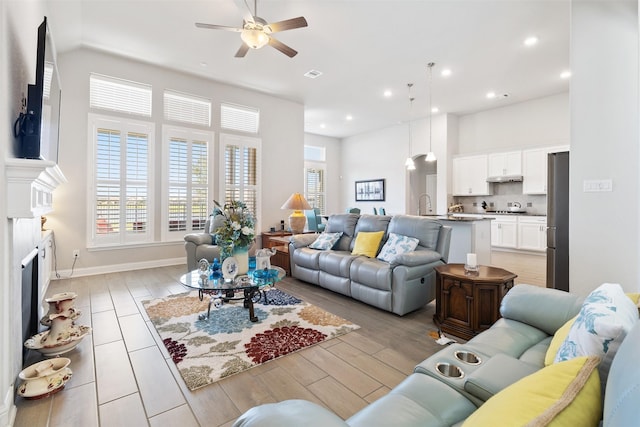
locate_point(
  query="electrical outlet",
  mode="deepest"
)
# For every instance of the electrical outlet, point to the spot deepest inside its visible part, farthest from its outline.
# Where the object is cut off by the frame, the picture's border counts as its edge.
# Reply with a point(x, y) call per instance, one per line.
point(76, 253)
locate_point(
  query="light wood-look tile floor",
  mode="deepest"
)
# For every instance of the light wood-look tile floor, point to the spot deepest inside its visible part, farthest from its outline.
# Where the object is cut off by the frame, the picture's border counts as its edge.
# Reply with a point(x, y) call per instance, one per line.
point(123, 376)
point(531, 268)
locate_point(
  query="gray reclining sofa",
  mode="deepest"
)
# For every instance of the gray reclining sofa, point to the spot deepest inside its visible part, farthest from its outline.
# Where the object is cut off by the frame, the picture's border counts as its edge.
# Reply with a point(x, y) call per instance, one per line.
point(404, 285)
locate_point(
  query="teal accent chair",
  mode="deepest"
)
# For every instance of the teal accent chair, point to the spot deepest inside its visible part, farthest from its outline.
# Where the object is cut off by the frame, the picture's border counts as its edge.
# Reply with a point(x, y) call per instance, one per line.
point(382, 211)
point(314, 220)
point(375, 211)
point(353, 210)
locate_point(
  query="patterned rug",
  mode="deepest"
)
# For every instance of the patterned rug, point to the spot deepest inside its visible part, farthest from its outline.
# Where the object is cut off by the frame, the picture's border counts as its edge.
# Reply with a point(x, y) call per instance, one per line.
point(227, 343)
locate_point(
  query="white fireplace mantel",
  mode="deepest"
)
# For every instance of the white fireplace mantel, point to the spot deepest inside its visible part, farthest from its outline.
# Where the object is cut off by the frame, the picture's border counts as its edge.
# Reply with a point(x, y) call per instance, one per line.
point(30, 185)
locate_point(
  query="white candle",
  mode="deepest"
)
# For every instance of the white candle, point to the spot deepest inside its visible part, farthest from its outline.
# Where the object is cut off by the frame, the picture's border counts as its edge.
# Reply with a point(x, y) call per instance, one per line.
point(472, 260)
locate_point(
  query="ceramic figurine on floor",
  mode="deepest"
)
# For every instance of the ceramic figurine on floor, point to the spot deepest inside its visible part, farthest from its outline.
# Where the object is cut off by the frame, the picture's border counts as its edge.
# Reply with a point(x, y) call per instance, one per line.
point(64, 335)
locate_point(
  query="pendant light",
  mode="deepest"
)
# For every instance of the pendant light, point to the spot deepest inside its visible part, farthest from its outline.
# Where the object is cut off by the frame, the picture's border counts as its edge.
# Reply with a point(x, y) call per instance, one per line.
point(431, 157)
point(409, 163)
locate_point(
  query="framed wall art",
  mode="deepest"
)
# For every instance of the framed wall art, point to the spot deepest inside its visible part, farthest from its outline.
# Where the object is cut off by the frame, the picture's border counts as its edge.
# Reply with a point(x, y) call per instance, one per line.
point(371, 190)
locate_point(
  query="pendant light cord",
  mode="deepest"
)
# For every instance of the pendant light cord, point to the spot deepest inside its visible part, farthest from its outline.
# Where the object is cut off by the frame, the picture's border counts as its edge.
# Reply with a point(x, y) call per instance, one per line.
point(430, 65)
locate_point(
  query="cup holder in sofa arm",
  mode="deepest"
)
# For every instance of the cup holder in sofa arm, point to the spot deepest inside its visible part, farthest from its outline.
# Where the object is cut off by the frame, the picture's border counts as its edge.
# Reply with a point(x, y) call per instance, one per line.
point(467, 357)
point(449, 370)
point(497, 373)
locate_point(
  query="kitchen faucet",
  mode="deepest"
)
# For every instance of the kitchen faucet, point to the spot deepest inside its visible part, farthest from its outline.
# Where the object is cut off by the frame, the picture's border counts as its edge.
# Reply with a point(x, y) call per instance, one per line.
point(428, 202)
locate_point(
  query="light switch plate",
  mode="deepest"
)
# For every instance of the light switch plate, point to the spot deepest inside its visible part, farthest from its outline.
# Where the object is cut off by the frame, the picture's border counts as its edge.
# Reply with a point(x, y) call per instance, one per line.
point(597, 185)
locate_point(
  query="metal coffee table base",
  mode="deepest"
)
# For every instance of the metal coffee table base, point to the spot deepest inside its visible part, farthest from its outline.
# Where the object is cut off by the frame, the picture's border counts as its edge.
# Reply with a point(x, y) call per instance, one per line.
point(226, 296)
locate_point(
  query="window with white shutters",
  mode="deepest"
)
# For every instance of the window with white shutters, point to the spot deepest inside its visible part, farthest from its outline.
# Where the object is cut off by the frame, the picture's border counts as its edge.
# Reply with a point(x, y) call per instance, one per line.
point(181, 107)
point(240, 173)
point(186, 197)
point(121, 154)
point(314, 185)
point(124, 96)
point(241, 118)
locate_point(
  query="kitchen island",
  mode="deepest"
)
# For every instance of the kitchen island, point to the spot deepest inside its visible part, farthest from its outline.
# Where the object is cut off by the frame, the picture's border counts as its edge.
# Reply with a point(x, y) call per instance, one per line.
point(468, 235)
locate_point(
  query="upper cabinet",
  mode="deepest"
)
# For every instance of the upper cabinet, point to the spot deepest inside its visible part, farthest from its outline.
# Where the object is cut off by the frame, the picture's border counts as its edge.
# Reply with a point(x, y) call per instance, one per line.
point(470, 176)
point(534, 169)
point(505, 164)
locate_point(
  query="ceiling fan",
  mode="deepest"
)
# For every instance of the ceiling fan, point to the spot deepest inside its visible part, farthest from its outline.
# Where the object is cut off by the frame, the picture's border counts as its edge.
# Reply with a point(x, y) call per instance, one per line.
point(256, 32)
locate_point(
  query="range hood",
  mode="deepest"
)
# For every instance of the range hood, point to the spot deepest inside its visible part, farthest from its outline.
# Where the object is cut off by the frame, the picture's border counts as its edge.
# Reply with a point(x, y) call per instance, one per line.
point(505, 178)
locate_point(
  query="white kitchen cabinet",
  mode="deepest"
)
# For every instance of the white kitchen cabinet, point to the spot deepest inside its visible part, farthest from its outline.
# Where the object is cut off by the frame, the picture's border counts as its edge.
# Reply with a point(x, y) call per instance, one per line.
point(470, 176)
point(534, 169)
point(532, 233)
point(505, 164)
point(504, 231)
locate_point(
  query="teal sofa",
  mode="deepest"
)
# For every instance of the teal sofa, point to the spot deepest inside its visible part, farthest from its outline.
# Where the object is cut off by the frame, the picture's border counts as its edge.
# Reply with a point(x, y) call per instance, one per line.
point(511, 354)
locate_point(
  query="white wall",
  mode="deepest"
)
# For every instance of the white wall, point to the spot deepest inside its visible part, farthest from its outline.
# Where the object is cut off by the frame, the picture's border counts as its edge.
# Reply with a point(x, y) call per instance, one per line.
point(538, 122)
point(333, 177)
point(18, 40)
point(281, 131)
point(604, 230)
point(374, 155)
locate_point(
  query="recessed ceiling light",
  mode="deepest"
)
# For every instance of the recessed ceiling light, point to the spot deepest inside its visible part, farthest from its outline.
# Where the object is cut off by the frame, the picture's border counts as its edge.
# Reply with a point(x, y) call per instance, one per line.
point(387, 93)
point(435, 110)
point(445, 73)
point(565, 74)
point(531, 41)
point(203, 64)
point(313, 74)
point(322, 126)
point(491, 95)
point(349, 117)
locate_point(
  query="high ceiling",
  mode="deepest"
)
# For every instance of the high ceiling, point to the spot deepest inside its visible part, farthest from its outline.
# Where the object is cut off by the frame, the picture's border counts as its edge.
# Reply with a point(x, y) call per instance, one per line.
point(362, 48)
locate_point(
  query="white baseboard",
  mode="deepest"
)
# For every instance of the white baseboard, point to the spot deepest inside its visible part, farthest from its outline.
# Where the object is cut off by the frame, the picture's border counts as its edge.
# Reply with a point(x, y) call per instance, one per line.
point(117, 268)
point(8, 410)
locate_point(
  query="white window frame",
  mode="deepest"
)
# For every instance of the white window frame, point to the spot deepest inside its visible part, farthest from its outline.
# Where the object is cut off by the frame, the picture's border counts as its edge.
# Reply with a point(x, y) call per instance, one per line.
point(186, 108)
point(248, 142)
point(316, 165)
point(118, 95)
point(168, 132)
point(124, 125)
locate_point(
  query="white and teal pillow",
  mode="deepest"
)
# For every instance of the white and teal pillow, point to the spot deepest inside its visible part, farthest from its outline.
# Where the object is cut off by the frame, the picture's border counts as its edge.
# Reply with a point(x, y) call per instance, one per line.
point(325, 241)
point(605, 317)
point(397, 244)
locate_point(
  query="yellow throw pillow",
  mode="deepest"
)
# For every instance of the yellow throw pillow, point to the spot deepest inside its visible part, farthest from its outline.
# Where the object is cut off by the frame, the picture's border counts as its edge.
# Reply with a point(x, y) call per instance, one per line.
point(367, 243)
point(562, 394)
point(557, 340)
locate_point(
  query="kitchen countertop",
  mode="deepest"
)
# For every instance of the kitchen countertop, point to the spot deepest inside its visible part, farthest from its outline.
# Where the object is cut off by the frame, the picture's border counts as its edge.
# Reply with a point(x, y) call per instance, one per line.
point(457, 218)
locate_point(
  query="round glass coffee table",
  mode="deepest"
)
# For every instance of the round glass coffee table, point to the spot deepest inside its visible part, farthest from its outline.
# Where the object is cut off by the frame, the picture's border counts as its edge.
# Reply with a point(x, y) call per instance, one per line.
point(253, 284)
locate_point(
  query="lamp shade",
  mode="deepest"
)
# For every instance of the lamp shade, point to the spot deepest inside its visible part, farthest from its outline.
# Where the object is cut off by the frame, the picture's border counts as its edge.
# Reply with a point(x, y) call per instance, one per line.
point(296, 202)
point(297, 220)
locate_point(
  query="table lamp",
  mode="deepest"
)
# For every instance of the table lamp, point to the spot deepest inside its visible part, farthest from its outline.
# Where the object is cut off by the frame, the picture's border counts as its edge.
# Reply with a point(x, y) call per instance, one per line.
point(297, 219)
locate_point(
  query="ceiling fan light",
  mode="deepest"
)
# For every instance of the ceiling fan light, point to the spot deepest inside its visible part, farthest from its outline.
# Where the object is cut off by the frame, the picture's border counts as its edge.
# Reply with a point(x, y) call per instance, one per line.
point(431, 157)
point(255, 39)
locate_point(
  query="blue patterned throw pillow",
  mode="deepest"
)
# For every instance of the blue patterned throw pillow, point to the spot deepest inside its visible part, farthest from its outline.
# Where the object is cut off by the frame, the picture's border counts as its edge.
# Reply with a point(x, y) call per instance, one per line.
point(325, 241)
point(605, 317)
point(397, 245)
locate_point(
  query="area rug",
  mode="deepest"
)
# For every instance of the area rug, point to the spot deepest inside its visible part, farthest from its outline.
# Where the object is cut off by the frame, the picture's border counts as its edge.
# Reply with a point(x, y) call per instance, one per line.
point(227, 343)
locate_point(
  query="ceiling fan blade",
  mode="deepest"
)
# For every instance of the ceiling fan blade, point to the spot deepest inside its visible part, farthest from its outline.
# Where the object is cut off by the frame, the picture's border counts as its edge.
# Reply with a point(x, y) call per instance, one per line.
point(282, 47)
point(242, 51)
point(217, 27)
point(287, 24)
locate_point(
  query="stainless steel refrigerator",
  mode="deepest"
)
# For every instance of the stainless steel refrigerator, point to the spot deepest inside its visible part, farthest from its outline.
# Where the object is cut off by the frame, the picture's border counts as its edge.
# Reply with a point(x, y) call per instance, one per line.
point(558, 221)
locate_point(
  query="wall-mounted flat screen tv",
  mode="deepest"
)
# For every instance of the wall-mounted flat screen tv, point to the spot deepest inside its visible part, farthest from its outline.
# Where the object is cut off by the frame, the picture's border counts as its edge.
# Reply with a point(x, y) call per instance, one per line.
point(40, 127)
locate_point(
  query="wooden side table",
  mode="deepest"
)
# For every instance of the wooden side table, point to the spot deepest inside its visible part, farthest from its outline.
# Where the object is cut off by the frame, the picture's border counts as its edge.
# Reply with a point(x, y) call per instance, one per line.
point(281, 258)
point(268, 238)
point(467, 304)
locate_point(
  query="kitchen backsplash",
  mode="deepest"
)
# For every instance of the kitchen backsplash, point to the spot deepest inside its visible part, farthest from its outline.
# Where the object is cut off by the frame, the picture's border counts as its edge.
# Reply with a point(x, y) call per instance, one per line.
point(503, 195)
